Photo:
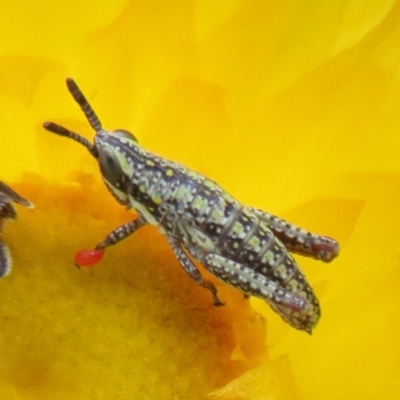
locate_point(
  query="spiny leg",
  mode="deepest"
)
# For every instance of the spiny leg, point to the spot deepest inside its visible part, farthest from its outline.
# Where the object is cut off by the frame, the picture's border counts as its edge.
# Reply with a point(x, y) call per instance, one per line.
point(252, 283)
point(5, 259)
point(192, 271)
point(121, 233)
point(87, 258)
point(299, 240)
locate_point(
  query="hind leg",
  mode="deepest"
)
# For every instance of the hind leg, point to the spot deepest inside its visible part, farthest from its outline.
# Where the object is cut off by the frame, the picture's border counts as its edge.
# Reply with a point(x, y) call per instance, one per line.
point(253, 283)
point(299, 240)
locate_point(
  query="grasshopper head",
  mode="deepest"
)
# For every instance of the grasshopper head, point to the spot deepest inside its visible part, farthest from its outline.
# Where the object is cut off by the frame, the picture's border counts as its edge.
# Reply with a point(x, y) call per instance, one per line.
point(117, 152)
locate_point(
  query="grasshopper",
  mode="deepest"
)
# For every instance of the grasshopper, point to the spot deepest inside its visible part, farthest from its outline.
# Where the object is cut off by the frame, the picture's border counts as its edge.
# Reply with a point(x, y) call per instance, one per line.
point(7, 211)
point(244, 247)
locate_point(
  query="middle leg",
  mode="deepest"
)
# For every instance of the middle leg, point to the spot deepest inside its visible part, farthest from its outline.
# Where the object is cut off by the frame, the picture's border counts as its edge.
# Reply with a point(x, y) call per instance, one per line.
point(192, 271)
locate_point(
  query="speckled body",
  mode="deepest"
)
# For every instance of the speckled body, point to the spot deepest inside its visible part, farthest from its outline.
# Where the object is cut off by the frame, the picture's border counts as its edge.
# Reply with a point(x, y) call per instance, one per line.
point(207, 220)
point(242, 246)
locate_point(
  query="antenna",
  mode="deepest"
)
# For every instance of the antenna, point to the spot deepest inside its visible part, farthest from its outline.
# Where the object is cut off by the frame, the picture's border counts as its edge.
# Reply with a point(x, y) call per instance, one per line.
point(84, 104)
point(60, 130)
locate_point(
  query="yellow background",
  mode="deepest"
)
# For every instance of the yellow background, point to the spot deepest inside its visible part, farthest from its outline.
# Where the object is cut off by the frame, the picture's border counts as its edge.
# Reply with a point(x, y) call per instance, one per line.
point(292, 106)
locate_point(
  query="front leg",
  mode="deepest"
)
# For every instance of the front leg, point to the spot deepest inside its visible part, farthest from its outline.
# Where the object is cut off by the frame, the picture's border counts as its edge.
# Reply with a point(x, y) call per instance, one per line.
point(253, 283)
point(192, 271)
point(121, 233)
point(298, 240)
point(86, 258)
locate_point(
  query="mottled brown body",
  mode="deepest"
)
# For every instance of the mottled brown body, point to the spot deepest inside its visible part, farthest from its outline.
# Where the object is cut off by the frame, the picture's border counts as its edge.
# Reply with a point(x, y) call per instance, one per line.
point(240, 245)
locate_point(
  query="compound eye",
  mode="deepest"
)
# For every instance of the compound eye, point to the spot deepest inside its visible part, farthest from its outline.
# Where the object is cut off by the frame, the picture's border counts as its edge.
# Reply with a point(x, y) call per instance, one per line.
point(110, 167)
point(122, 133)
